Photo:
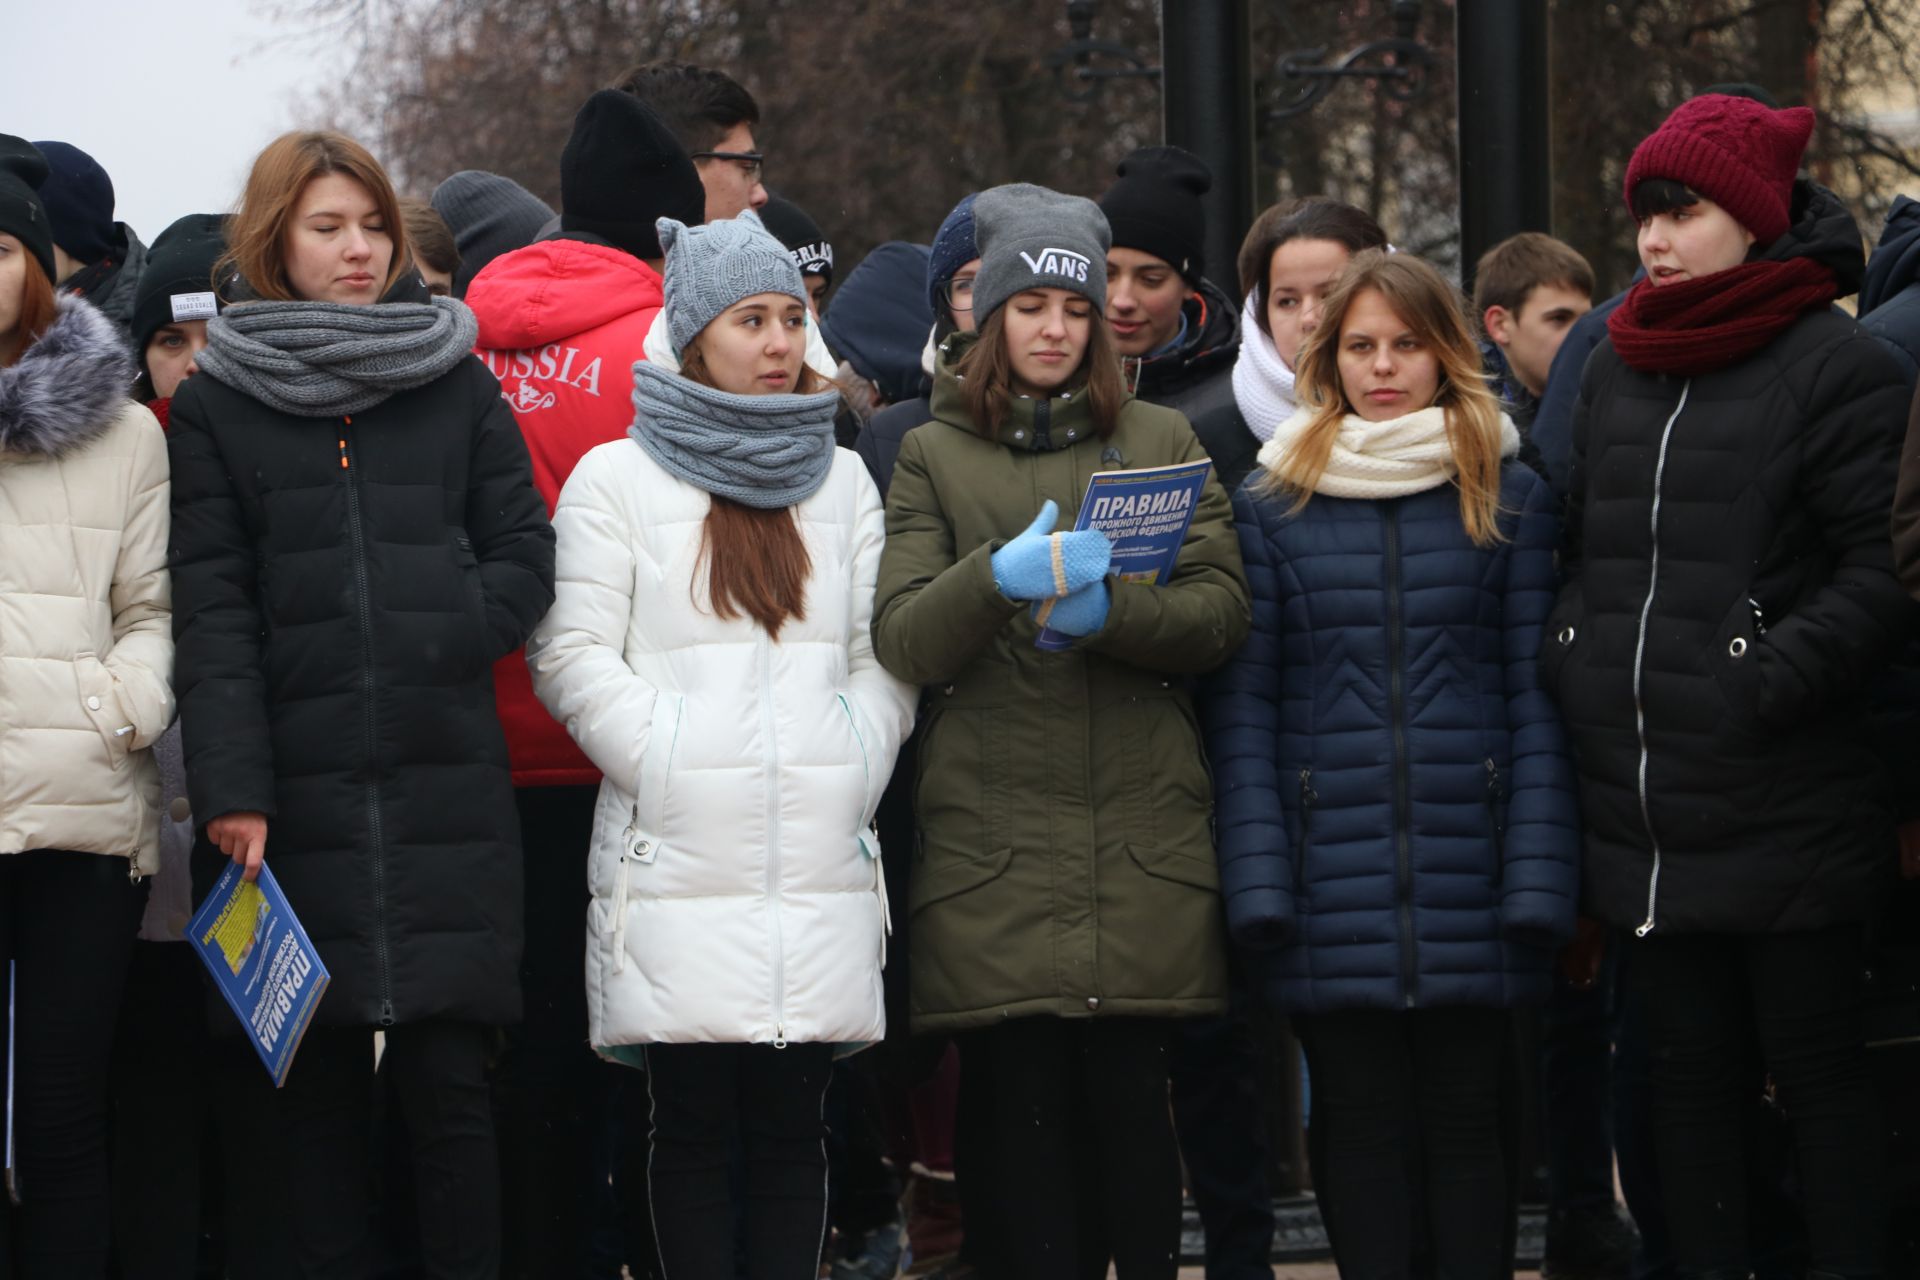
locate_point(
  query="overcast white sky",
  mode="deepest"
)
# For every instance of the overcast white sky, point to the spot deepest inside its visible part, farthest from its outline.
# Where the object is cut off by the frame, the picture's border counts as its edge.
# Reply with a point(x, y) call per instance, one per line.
point(173, 99)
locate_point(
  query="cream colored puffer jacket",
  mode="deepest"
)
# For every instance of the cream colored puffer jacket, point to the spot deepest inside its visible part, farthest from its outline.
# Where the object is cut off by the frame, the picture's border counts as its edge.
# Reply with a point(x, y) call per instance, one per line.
point(86, 641)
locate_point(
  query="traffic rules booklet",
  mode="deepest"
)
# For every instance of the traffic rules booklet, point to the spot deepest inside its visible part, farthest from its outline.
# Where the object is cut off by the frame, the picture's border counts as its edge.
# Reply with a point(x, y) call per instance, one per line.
point(261, 959)
point(1145, 515)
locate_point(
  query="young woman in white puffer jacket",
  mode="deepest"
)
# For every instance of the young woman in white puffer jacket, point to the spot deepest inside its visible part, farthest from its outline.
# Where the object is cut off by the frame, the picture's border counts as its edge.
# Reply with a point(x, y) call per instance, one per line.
point(709, 650)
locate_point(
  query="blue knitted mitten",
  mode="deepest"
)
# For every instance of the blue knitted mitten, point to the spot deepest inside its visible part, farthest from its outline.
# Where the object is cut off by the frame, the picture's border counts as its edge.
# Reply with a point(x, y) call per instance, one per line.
point(1079, 614)
point(1039, 565)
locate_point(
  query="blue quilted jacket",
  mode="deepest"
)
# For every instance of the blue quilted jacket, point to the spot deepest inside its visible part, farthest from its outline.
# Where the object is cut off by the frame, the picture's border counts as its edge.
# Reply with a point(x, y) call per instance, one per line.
point(1396, 805)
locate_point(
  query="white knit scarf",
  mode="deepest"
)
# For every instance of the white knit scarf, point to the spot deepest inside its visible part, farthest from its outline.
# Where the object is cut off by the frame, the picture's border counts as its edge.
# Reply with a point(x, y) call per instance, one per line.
point(1383, 459)
point(1262, 383)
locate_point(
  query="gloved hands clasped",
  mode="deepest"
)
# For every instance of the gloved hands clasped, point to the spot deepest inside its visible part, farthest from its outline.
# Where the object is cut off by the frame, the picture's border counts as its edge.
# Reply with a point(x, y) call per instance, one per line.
point(1043, 565)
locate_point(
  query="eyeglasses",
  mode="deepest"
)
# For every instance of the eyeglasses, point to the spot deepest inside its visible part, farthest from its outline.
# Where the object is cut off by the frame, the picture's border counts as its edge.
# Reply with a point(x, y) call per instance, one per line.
point(959, 293)
point(751, 162)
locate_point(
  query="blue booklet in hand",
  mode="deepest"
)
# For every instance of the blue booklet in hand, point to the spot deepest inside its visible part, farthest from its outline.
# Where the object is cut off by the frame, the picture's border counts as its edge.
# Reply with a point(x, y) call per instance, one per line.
point(1145, 514)
point(263, 963)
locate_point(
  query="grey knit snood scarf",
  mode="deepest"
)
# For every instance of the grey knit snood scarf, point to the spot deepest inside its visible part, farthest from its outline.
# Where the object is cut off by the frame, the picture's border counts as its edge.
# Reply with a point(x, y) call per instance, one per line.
point(764, 451)
point(322, 359)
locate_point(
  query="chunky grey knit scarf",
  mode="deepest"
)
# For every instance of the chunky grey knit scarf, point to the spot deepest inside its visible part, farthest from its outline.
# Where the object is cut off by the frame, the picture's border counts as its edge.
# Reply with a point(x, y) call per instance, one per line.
point(764, 451)
point(320, 359)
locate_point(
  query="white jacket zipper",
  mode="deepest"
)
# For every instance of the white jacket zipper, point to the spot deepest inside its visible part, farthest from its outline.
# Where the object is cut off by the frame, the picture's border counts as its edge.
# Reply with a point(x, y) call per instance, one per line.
point(1640, 654)
point(773, 844)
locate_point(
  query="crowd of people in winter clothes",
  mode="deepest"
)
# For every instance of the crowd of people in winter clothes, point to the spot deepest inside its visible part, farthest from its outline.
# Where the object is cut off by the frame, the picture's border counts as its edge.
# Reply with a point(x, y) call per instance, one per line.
point(624, 658)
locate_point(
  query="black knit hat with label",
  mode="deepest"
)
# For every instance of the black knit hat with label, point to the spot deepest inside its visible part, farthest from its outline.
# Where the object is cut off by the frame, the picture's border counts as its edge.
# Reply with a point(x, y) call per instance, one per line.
point(1155, 207)
point(22, 170)
point(177, 284)
point(622, 171)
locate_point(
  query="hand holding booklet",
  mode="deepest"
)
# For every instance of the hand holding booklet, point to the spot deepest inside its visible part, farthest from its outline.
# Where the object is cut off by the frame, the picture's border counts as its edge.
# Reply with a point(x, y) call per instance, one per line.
point(262, 961)
point(1146, 514)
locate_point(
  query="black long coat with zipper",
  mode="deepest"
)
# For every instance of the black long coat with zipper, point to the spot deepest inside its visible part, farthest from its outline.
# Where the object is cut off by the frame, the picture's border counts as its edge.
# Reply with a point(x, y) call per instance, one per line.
point(342, 587)
point(1730, 597)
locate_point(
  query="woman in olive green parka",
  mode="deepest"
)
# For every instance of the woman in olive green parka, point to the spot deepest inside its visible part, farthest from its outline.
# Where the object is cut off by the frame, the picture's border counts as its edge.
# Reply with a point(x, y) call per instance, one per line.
point(1064, 894)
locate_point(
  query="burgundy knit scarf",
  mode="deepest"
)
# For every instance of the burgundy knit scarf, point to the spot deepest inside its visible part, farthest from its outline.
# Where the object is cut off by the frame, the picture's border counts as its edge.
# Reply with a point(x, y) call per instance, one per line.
point(1697, 326)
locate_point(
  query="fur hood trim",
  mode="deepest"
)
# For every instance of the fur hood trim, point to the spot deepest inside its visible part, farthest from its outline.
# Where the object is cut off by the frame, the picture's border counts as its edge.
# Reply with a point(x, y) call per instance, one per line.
point(69, 386)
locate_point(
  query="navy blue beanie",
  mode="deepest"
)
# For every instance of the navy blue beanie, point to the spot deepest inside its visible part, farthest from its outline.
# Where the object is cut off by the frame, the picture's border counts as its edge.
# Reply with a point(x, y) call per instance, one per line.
point(78, 196)
point(953, 248)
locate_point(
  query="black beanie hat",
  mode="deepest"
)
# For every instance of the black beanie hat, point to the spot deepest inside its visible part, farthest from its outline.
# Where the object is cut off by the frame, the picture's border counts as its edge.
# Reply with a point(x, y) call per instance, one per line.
point(802, 236)
point(79, 199)
point(1155, 207)
point(177, 284)
point(22, 170)
point(622, 171)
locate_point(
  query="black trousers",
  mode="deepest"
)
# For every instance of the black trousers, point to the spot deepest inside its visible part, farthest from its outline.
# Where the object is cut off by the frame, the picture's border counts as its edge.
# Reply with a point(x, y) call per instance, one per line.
point(317, 1132)
point(1219, 1114)
point(1073, 1161)
point(547, 1085)
point(1704, 996)
point(1576, 1092)
point(164, 1095)
point(1387, 1084)
point(682, 1127)
point(67, 925)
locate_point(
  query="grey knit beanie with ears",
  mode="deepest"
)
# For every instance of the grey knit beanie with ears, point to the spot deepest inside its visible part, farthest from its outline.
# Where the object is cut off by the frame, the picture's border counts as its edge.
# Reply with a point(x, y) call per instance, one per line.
point(712, 267)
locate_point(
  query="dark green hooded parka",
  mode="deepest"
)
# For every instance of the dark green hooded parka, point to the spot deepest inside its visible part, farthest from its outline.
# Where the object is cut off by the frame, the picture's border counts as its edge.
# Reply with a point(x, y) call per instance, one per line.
point(1065, 862)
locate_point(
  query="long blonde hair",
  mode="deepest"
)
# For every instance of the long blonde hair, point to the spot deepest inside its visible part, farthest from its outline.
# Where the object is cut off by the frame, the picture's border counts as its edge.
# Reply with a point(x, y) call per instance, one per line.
point(1430, 307)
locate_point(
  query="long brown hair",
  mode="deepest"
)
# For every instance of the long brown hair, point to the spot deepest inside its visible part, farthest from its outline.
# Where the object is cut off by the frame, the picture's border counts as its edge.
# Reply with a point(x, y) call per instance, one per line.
point(257, 231)
point(756, 558)
point(987, 369)
point(37, 307)
point(1431, 308)
point(1308, 218)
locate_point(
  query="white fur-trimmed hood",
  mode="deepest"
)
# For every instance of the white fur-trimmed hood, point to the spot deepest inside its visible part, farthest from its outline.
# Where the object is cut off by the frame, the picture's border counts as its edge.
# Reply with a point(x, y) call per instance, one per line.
point(69, 386)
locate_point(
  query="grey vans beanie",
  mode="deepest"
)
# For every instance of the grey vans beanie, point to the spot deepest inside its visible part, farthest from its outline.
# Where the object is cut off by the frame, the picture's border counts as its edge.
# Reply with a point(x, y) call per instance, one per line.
point(1033, 238)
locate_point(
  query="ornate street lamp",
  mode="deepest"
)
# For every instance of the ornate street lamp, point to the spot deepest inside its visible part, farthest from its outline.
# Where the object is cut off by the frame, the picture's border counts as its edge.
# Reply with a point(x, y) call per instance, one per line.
point(1077, 65)
point(1398, 64)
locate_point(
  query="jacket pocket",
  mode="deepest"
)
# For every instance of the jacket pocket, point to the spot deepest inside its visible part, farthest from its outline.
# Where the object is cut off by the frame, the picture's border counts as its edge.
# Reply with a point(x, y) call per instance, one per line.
point(952, 877)
point(1307, 798)
point(1171, 864)
point(474, 599)
point(1496, 827)
point(651, 788)
point(1562, 636)
point(99, 700)
point(1733, 658)
point(869, 801)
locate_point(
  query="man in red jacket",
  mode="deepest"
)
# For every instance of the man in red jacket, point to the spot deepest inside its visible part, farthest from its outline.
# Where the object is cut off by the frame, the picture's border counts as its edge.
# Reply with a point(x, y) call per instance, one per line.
point(562, 322)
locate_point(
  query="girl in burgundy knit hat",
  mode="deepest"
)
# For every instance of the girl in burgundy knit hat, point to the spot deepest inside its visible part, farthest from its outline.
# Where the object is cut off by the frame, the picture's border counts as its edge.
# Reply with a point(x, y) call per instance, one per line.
point(1730, 593)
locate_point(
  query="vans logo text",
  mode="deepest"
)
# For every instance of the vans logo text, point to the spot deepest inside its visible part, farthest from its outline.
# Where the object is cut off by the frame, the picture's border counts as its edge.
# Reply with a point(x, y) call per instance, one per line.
point(1058, 262)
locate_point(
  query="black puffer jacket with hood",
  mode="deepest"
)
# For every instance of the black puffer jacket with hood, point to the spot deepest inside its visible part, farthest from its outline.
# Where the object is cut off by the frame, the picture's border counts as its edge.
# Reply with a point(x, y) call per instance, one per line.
point(1196, 378)
point(1730, 595)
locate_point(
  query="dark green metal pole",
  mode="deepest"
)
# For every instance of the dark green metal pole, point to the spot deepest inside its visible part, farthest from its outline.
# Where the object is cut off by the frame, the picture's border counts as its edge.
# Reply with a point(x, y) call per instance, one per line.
point(1206, 87)
point(1505, 174)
